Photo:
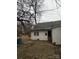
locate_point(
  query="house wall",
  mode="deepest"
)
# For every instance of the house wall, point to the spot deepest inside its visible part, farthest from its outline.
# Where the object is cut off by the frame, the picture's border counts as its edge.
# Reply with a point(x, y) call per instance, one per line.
point(41, 36)
point(56, 35)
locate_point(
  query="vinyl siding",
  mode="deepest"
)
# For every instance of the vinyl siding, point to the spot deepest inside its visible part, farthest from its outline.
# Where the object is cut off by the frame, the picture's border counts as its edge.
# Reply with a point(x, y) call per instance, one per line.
point(41, 36)
point(56, 35)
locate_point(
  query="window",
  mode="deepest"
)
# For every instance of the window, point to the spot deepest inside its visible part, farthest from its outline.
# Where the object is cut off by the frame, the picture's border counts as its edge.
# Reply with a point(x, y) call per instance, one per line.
point(36, 33)
point(45, 34)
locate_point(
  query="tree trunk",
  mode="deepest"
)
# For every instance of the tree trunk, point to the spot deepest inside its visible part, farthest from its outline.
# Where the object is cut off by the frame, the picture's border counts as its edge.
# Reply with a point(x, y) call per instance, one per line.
point(35, 12)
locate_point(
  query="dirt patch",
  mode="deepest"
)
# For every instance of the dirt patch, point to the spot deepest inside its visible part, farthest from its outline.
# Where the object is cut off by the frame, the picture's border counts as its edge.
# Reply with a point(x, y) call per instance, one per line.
point(38, 50)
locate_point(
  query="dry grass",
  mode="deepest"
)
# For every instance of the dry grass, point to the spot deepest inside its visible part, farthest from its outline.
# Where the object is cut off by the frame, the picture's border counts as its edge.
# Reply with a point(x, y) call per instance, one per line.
point(38, 50)
point(25, 37)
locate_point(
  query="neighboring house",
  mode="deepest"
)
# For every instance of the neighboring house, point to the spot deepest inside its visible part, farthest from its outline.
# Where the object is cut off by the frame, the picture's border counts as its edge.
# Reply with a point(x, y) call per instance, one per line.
point(50, 31)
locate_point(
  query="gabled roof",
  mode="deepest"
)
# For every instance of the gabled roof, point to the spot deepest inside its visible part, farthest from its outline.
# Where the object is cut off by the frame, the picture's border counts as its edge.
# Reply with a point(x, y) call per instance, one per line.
point(47, 25)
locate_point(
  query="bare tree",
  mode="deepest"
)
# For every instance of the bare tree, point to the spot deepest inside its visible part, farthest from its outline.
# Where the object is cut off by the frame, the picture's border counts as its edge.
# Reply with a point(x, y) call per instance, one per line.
point(27, 11)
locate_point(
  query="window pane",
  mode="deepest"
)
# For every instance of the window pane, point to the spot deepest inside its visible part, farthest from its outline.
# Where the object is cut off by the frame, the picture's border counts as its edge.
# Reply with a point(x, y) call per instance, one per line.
point(37, 33)
point(34, 33)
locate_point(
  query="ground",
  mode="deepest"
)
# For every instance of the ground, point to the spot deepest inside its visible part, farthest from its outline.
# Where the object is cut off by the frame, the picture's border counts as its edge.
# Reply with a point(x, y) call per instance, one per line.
point(38, 50)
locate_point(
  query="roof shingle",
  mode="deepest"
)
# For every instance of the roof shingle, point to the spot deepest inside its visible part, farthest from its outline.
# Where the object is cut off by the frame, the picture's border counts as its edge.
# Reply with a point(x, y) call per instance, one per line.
point(47, 25)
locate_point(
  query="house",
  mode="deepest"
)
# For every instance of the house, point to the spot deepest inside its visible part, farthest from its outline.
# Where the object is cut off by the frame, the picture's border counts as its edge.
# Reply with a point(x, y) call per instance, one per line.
point(49, 31)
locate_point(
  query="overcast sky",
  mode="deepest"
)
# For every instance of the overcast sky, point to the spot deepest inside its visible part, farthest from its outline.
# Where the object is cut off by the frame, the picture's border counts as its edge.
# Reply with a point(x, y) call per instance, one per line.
point(50, 15)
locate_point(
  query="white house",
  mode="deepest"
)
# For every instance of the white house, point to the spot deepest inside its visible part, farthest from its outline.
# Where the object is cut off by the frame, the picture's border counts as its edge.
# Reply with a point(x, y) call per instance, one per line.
point(50, 31)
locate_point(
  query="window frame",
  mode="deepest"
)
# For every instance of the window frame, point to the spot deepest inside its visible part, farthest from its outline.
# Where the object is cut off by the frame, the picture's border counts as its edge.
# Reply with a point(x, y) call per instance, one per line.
point(36, 33)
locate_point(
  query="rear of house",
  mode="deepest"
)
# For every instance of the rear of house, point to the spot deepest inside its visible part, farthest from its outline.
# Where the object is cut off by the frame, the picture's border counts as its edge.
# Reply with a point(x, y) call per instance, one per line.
point(48, 31)
point(39, 35)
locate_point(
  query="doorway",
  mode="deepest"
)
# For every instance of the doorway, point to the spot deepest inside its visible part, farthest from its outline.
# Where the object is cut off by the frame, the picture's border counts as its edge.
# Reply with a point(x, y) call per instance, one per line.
point(50, 36)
